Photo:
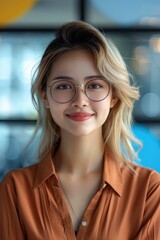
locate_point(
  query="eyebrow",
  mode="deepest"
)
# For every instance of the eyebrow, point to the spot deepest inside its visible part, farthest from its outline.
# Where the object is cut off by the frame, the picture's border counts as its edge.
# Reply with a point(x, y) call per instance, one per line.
point(70, 78)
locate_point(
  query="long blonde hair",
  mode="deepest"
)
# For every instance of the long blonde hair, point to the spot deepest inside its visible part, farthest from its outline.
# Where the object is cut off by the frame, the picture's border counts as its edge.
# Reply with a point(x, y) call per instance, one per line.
point(117, 131)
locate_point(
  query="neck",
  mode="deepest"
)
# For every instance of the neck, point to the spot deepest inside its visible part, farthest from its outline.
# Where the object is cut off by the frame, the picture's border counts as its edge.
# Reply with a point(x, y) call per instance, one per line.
point(80, 155)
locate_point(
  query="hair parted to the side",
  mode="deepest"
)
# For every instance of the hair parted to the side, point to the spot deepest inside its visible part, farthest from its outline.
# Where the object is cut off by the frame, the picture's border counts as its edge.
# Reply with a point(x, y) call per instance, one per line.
point(117, 133)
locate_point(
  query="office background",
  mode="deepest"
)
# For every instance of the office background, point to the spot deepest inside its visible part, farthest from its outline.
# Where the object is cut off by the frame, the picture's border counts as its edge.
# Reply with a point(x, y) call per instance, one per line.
point(134, 27)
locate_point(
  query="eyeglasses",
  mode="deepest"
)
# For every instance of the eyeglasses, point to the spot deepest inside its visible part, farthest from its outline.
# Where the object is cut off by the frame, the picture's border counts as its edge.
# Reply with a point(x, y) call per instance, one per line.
point(64, 91)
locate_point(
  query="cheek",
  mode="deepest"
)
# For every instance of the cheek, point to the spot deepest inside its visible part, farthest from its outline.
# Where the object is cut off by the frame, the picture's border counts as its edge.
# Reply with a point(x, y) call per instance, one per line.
point(103, 107)
point(103, 110)
point(54, 112)
point(57, 113)
point(105, 113)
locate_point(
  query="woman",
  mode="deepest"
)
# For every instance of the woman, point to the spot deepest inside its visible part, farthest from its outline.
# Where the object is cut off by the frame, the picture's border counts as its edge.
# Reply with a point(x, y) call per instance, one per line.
point(85, 185)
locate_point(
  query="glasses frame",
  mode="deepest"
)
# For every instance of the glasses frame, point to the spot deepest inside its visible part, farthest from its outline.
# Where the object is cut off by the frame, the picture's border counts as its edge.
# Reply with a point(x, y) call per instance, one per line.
point(83, 88)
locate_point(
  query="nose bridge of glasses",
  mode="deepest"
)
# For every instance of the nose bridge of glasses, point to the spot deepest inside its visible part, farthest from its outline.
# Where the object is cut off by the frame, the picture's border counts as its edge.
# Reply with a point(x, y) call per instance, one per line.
point(80, 91)
point(80, 97)
point(81, 86)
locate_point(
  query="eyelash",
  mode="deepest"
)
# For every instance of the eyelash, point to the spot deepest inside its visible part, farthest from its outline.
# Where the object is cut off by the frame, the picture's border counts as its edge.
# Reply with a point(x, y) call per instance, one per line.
point(95, 84)
point(62, 87)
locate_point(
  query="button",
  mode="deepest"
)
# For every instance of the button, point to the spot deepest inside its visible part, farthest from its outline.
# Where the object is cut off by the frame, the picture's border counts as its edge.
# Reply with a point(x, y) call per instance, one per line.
point(105, 184)
point(84, 223)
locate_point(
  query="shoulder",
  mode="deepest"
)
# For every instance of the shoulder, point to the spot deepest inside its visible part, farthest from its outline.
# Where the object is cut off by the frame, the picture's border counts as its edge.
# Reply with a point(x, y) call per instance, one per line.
point(140, 173)
point(149, 177)
point(146, 174)
point(141, 179)
point(20, 177)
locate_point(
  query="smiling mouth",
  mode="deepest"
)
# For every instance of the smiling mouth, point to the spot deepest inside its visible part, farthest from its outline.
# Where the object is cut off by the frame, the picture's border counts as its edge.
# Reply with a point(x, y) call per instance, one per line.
point(80, 116)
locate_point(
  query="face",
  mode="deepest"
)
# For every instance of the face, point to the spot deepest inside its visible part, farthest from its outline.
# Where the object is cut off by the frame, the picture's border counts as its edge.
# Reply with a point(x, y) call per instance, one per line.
point(80, 116)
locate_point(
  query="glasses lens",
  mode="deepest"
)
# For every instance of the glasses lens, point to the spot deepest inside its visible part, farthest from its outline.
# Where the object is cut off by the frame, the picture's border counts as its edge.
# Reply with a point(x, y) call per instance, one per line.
point(97, 90)
point(62, 91)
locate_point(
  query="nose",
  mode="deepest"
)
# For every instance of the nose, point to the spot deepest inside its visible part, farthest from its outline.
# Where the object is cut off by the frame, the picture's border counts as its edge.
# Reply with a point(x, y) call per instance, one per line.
point(80, 99)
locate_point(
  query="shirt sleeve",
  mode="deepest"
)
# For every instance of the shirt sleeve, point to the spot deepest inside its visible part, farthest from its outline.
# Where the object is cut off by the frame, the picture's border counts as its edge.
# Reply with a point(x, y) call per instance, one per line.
point(150, 229)
point(10, 227)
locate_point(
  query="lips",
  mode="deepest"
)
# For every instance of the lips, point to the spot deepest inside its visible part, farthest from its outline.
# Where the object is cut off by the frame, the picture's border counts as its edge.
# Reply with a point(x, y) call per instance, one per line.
point(80, 116)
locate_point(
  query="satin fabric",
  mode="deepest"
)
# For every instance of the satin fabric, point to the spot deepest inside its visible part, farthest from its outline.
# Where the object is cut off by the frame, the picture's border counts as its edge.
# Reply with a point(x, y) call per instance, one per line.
point(126, 206)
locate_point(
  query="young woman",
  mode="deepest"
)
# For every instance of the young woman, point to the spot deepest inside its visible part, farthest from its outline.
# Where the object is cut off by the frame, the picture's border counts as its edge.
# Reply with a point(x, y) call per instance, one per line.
point(85, 185)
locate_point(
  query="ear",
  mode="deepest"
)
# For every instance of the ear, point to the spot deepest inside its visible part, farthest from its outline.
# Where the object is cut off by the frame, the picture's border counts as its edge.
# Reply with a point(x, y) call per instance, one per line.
point(114, 100)
point(44, 98)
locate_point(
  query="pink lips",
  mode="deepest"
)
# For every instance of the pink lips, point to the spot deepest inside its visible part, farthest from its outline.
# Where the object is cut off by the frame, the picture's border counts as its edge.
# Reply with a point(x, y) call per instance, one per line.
point(80, 116)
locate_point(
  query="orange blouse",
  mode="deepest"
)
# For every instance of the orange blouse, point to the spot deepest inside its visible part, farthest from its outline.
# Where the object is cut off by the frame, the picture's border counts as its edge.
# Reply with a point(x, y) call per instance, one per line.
point(126, 207)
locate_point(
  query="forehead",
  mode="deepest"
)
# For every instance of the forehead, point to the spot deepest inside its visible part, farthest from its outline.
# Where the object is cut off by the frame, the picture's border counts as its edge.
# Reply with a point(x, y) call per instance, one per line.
point(72, 63)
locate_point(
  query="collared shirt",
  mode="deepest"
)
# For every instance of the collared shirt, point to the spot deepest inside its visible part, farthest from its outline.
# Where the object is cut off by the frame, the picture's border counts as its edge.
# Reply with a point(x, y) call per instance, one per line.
point(126, 206)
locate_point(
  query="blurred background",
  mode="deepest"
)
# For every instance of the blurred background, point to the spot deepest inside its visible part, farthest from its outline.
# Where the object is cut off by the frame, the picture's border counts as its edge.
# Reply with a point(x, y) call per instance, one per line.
point(24, 34)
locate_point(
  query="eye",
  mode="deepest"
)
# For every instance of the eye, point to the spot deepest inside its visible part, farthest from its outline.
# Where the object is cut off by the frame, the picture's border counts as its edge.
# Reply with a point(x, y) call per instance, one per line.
point(63, 86)
point(95, 85)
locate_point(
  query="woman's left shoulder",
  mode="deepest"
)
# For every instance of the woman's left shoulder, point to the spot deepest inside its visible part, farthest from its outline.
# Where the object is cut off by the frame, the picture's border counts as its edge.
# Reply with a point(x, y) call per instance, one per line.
point(147, 173)
point(140, 174)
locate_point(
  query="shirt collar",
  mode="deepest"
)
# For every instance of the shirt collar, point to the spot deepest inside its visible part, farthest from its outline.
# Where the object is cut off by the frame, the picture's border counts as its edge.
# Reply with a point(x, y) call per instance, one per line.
point(112, 173)
point(45, 169)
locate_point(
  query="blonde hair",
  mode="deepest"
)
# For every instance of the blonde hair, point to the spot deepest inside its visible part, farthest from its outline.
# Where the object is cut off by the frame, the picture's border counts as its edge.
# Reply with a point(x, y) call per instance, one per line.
point(117, 133)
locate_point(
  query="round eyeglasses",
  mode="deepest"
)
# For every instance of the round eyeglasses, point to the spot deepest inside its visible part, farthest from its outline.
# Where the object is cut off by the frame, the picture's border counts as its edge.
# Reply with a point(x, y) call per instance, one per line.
point(63, 91)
